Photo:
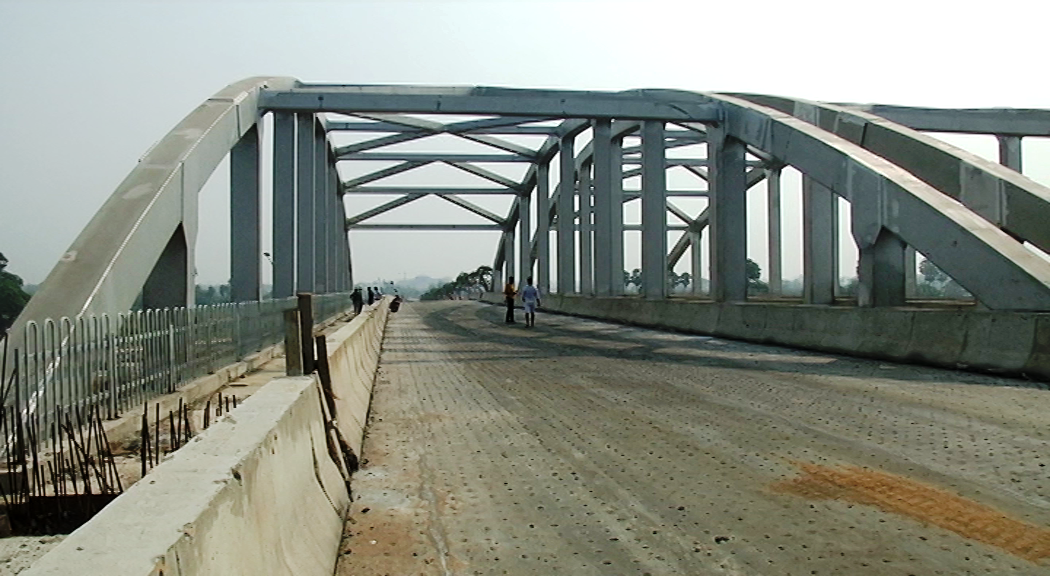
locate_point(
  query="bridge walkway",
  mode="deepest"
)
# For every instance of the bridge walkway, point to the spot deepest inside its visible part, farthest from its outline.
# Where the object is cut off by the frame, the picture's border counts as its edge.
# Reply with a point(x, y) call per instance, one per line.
point(580, 447)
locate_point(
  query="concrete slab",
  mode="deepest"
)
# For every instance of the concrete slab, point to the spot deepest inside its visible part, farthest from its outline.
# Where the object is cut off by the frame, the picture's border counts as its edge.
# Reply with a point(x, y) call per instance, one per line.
point(579, 447)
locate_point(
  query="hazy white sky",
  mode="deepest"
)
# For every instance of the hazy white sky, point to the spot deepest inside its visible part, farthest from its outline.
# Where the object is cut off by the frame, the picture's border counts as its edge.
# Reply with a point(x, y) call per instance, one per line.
point(88, 86)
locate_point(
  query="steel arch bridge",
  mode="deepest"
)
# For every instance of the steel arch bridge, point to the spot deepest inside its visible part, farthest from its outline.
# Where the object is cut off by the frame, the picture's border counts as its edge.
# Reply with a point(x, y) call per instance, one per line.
point(983, 223)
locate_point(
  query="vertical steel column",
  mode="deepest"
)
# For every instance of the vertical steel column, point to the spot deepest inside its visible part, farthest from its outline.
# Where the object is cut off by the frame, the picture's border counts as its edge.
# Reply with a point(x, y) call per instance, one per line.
point(321, 209)
point(335, 278)
point(616, 214)
point(603, 271)
point(727, 197)
point(566, 219)
point(525, 236)
point(882, 272)
point(586, 232)
point(305, 202)
point(911, 289)
point(696, 256)
point(776, 286)
point(245, 226)
point(508, 255)
point(543, 226)
point(283, 204)
point(819, 243)
point(654, 211)
point(1010, 152)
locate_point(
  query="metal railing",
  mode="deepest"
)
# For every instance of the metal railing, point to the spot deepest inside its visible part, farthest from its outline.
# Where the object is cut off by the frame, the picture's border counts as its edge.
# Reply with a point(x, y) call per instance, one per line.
point(119, 362)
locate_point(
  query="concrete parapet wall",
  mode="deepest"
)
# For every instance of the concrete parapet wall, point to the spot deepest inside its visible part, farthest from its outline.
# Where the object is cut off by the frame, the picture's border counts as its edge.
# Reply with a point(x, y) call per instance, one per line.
point(353, 356)
point(1012, 343)
point(256, 493)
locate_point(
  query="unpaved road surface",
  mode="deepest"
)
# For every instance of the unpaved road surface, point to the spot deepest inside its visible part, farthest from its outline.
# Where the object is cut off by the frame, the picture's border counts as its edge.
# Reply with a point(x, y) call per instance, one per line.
point(579, 447)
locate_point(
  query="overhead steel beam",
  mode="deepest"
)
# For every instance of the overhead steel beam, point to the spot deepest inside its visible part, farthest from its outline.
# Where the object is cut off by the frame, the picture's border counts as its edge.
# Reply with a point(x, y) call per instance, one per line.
point(632, 194)
point(458, 129)
point(374, 126)
point(434, 191)
point(384, 173)
point(428, 227)
point(351, 99)
point(489, 123)
point(995, 121)
point(486, 174)
point(354, 220)
point(377, 143)
point(470, 206)
point(431, 157)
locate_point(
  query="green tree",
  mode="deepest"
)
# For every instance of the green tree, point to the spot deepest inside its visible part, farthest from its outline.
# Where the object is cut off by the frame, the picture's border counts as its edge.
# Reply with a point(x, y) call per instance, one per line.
point(936, 284)
point(12, 297)
point(754, 284)
point(465, 283)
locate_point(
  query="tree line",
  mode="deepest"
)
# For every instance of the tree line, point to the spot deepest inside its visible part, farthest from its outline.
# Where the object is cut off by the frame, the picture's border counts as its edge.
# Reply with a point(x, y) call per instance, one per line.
point(465, 285)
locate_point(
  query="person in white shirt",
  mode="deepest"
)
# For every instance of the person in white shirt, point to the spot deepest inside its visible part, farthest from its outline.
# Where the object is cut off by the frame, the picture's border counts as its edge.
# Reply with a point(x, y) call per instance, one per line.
point(530, 296)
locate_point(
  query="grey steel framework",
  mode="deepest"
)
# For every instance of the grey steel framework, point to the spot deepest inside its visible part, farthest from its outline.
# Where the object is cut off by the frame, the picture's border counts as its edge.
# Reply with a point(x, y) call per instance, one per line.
point(907, 192)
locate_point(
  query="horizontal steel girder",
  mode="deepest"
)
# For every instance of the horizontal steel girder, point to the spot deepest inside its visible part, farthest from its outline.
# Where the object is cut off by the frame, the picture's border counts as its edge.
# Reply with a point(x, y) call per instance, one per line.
point(350, 99)
point(435, 191)
point(431, 157)
point(428, 227)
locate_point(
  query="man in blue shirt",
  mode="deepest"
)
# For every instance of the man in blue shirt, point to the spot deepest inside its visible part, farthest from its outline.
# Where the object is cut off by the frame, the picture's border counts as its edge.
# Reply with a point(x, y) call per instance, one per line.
point(530, 296)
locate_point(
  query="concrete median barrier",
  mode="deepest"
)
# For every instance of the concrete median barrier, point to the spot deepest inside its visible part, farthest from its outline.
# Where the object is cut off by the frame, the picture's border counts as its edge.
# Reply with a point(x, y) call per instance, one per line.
point(1012, 343)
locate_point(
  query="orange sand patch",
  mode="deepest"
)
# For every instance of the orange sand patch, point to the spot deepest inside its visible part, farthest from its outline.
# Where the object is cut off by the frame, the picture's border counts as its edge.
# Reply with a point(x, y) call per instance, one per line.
point(906, 497)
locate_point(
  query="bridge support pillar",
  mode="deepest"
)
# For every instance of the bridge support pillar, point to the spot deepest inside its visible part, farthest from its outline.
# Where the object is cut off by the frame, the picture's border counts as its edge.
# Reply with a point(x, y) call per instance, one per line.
point(608, 211)
point(283, 204)
point(171, 284)
point(1010, 152)
point(543, 226)
point(654, 211)
point(245, 225)
point(508, 255)
point(776, 287)
point(305, 202)
point(911, 289)
point(335, 252)
point(566, 218)
point(322, 210)
point(586, 231)
point(819, 243)
point(696, 235)
point(727, 184)
point(525, 237)
point(882, 272)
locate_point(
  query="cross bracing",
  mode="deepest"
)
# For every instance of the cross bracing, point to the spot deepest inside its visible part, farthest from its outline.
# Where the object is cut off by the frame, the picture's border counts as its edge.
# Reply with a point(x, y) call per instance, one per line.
point(566, 163)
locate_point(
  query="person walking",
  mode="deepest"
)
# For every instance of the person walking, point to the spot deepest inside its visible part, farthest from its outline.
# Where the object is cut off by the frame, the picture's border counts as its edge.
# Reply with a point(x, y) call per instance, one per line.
point(508, 293)
point(530, 297)
point(371, 296)
point(358, 301)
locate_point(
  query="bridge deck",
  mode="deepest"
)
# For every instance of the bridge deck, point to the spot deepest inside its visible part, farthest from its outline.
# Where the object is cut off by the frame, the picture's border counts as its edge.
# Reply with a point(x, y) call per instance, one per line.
point(579, 447)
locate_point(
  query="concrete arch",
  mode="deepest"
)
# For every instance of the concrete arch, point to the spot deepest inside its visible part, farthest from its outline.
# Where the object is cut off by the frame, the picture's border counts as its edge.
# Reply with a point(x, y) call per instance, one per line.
point(151, 217)
point(996, 268)
point(1004, 197)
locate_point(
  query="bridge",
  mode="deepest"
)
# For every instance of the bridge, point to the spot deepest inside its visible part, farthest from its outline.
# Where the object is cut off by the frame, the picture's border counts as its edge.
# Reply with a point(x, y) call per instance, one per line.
point(610, 442)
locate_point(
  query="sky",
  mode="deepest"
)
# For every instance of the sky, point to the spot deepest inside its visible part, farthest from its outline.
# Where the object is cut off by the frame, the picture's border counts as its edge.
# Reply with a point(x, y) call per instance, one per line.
point(88, 87)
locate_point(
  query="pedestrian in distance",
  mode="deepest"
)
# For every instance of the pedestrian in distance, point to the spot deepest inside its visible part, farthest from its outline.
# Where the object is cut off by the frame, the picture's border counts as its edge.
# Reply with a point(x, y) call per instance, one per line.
point(508, 293)
point(530, 297)
point(358, 301)
point(371, 296)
